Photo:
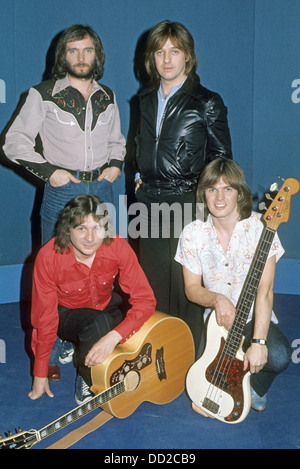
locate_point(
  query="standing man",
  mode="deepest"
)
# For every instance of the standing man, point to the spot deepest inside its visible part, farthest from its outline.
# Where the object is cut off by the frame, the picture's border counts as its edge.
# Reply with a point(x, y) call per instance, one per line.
point(216, 255)
point(182, 126)
point(73, 293)
point(78, 123)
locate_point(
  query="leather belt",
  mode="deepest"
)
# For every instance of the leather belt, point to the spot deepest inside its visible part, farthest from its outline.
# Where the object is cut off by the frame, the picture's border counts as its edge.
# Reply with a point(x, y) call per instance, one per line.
point(87, 176)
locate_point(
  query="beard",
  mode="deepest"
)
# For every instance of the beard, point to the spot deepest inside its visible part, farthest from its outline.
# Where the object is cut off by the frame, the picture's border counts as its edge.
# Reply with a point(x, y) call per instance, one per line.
point(85, 74)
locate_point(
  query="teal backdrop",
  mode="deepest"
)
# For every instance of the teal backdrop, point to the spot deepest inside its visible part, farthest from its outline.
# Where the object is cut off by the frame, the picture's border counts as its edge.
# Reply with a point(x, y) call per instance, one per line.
point(248, 51)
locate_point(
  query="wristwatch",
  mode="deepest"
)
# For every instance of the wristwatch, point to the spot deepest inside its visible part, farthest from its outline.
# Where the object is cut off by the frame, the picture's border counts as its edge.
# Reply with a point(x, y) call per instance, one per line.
point(259, 341)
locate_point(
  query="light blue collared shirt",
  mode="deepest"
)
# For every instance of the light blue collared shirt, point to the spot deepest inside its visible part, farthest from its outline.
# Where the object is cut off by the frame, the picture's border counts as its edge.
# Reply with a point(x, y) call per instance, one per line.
point(162, 101)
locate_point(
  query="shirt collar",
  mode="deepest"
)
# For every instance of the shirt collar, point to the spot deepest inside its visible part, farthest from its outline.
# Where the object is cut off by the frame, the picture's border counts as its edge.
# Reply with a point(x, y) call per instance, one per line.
point(64, 83)
point(173, 90)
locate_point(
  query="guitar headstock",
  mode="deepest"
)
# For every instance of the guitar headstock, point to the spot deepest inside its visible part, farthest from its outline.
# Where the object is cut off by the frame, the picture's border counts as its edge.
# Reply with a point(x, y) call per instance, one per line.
point(20, 440)
point(279, 210)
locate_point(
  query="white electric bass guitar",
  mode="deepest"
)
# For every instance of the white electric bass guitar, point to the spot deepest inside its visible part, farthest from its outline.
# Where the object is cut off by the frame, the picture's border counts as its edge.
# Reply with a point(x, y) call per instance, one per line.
point(217, 383)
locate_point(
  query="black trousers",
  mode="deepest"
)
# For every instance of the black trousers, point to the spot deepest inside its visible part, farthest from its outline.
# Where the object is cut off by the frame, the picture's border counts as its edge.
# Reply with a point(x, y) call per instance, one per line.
point(84, 327)
point(157, 249)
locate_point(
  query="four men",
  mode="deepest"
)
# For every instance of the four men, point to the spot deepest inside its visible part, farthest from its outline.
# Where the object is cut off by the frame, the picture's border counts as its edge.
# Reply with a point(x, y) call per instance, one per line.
point(182, 133)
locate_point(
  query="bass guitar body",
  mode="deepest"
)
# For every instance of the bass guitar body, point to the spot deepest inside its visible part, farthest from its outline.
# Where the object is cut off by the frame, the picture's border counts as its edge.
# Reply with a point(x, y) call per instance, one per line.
point(217, 383)
point(151, 366)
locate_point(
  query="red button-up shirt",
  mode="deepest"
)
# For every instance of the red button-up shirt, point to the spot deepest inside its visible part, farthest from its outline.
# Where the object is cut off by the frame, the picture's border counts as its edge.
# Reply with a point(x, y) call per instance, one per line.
point(59, 279)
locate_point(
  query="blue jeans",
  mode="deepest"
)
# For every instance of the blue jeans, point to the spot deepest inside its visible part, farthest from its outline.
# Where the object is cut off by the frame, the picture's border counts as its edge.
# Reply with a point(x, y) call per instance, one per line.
point(279, 357)
point(55, 199)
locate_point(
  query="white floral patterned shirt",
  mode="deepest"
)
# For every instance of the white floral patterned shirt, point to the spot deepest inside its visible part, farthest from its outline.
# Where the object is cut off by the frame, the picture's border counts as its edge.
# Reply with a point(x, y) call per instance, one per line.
point(200, 252)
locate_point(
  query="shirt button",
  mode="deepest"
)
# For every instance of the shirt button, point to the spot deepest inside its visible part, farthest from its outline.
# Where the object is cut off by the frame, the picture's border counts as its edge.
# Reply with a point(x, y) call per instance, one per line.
point(226, 265)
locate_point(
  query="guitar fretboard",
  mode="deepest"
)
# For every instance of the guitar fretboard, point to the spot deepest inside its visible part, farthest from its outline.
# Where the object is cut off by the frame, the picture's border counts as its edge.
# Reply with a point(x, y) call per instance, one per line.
point(248, 293)
point(82, 410)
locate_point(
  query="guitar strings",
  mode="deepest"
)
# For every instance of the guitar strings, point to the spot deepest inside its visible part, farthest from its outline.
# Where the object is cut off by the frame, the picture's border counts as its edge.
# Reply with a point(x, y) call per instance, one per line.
point(225, 361)
point(223, 367)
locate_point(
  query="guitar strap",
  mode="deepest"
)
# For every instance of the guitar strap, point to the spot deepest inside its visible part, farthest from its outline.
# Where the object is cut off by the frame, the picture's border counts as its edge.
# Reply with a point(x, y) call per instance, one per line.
point(82, 431)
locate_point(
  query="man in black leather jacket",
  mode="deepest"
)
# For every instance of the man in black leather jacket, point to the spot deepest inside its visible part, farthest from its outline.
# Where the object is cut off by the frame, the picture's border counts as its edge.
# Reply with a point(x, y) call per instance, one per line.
point(182, 127)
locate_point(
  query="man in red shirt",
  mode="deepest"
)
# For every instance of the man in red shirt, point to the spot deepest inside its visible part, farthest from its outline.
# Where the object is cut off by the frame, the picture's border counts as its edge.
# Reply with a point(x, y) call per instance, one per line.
point(73, 293)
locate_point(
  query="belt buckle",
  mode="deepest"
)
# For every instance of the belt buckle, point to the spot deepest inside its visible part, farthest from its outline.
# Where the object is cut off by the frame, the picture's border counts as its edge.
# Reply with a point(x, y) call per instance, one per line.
point(87, 176)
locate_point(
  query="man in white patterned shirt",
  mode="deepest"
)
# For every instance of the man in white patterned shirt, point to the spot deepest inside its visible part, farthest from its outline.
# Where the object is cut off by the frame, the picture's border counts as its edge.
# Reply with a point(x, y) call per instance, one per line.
point(216, 255)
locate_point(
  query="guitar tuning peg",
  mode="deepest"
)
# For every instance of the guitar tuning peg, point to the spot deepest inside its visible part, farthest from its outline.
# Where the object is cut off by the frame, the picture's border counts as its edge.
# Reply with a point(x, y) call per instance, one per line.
point(18, 430)
point(262, 206)
point(274, 187)
point(267, 196)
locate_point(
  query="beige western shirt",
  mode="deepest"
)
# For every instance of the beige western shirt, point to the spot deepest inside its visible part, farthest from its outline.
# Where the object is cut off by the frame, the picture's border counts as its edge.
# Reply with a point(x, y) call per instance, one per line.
point(75, 134)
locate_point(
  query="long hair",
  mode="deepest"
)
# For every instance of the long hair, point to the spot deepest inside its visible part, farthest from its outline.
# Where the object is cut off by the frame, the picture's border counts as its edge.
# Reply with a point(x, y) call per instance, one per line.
point(75, 211)
point(180, 37)
point(77, 32)
point(234, 177)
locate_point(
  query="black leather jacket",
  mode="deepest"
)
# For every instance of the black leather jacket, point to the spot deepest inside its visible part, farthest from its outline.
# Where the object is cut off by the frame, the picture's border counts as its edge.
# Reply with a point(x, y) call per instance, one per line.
point(194, 131)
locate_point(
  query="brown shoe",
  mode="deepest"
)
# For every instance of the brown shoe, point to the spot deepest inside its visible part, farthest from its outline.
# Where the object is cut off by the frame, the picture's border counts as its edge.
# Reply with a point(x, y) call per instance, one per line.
point(53, 373)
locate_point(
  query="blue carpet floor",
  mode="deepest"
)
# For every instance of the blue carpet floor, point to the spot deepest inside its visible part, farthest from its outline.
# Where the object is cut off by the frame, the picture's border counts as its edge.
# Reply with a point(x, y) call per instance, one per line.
point(173, 426)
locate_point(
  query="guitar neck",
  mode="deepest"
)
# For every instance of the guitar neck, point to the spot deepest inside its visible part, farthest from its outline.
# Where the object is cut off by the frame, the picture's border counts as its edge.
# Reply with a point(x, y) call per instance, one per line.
point(82, 410)
point(248, 293)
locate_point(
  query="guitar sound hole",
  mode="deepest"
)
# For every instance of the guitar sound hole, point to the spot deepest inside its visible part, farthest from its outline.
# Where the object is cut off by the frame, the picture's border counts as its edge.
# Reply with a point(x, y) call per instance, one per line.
point(131, 381)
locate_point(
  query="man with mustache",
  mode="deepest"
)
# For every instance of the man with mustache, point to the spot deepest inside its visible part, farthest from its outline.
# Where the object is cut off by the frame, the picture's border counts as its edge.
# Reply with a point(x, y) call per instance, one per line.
point(78, 122)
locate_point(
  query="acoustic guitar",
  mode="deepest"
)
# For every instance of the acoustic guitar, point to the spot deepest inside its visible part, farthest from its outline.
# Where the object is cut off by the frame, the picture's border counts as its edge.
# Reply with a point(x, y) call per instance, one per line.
point(216, 383)
point(150, 366)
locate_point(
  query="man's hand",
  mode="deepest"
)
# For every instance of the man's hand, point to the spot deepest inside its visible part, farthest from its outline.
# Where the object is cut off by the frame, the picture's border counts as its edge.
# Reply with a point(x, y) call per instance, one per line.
point(137, 184)
point(110, 174)
point(255, 357)
point(40, 385)
point(225, 311)
point(102, 349)
point(61, 177)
